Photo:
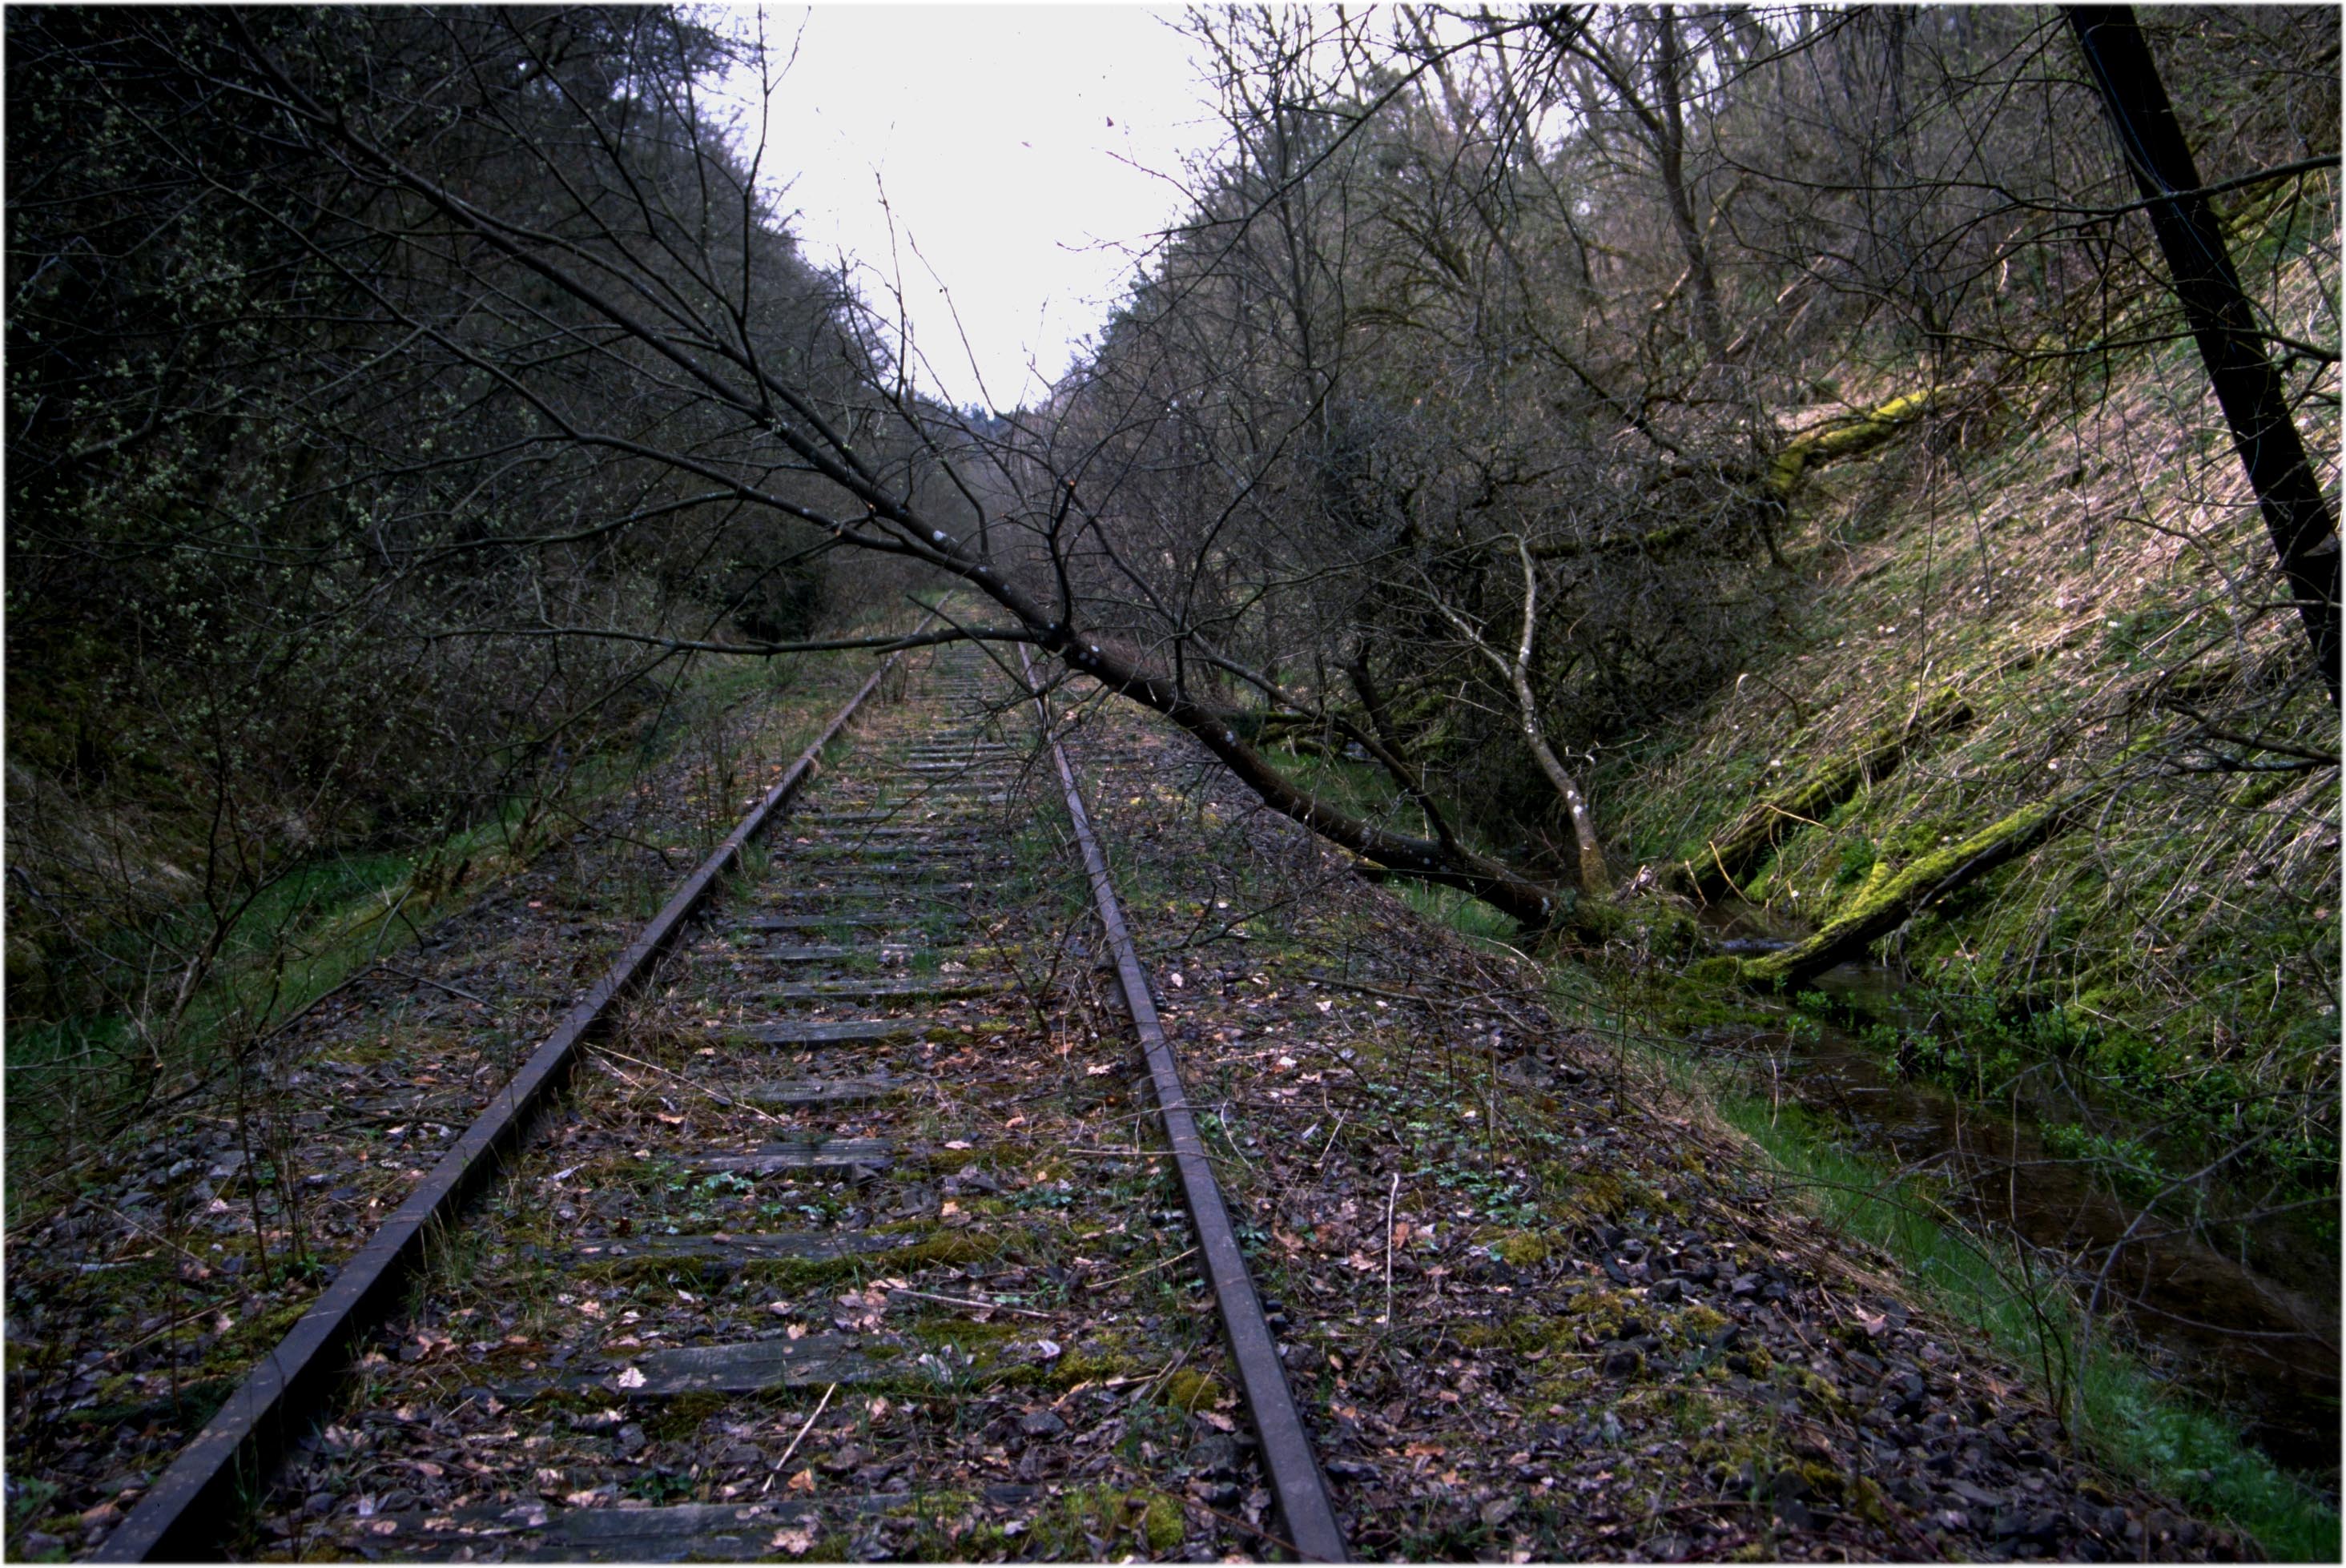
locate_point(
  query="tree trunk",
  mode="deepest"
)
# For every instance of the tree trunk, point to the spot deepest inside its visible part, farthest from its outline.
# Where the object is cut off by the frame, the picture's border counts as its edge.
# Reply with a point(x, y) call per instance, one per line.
point(1595, 882)
point(1743, 847)
point(2255, 404)
point(1669, 152)
point(1887, 904)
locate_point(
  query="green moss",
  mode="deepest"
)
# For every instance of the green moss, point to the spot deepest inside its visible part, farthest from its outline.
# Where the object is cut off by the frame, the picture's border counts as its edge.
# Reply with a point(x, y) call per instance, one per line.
point(1480, 1336)
point(961, 1332)
point(1699, 1321)
point(1839, 438)
point(1189, 1390)
point(1082, 1366)
point(583, 1400)
point(1070, 1527)
point(1867, 1501)
point(1161, 1524)
point(682, 1416)
point(1817, 1388)
point(1522, 1248)
point(1579, 1196)
point(192, 1406)
point(259, 1334)
point(1887, 901)
point(1734, 856)
point(948, 1247)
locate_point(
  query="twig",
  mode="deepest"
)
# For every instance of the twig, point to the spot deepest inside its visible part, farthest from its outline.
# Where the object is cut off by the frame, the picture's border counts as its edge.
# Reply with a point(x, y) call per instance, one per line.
point(697, 1088)
point(1256, 1531)
point(1331, 1144)
point(1152, 1268)
point(1391, 1195)
point(1457, 1003)
point(1715, 861)
point(965, 1301)
point(1061, 1402)
point(785, 1460)
point(326, 996)
point(437, 984)
point(1171, 1367)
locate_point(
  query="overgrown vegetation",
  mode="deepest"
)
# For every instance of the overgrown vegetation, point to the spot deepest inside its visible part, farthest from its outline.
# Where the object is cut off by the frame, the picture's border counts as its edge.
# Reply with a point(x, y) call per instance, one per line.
point(2131, 1419)
point(282, 594)
point(1661, 474)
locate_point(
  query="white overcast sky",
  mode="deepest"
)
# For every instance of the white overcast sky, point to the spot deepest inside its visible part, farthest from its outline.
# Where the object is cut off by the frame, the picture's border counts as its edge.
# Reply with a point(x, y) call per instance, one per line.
point(989, 128)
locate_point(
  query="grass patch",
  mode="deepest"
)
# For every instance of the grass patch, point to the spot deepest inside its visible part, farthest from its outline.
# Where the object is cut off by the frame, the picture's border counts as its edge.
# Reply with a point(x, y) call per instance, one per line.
point(1462, 912)
point(2122, 1412)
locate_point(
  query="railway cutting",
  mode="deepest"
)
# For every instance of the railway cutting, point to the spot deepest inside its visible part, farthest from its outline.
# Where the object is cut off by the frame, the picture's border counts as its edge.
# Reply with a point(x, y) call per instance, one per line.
point(854, 1234)
point(1013, 1144)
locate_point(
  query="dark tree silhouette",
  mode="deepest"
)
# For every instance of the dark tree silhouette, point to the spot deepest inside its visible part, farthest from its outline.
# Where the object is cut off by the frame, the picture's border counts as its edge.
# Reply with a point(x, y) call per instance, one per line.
point(2223, 321)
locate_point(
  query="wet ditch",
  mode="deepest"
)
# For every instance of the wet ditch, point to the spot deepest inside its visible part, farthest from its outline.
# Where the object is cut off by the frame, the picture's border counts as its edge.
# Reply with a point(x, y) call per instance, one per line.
point(2252, 1325)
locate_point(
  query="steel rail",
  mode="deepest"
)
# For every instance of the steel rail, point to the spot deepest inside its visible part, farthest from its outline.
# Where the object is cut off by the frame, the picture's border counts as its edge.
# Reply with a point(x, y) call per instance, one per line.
point(182, 1518)
point(1297, 1482)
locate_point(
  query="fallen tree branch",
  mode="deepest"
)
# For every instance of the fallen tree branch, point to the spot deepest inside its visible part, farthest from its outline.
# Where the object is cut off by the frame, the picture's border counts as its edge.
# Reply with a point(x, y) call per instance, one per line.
point(1734, 854)
point(885, 644)
point(1881, 910)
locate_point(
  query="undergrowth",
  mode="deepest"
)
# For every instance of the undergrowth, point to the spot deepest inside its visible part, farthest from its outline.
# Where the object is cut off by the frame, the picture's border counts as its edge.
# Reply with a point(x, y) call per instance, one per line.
point(246, 964)
point(2087, 570)
point(2124, 1413)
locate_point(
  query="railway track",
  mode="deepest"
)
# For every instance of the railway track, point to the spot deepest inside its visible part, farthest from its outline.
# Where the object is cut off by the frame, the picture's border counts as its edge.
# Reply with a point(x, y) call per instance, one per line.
point(860, 1231)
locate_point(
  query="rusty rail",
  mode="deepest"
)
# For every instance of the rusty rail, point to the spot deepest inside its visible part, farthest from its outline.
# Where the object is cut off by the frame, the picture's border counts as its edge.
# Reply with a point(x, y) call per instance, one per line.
point(1297, 1482)
point(181, 1518)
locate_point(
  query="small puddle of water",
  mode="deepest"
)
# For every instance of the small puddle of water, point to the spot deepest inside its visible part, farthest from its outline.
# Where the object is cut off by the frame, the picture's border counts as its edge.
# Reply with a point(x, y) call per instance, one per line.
point(2256, 1331)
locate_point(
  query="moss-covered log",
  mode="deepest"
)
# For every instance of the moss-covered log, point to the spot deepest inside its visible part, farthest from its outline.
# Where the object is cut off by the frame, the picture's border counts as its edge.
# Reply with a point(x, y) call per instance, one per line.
point(1838, 438)
point(1728, 858)
point(1886, 903)
point(1652, 541)
point(1763, 494)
